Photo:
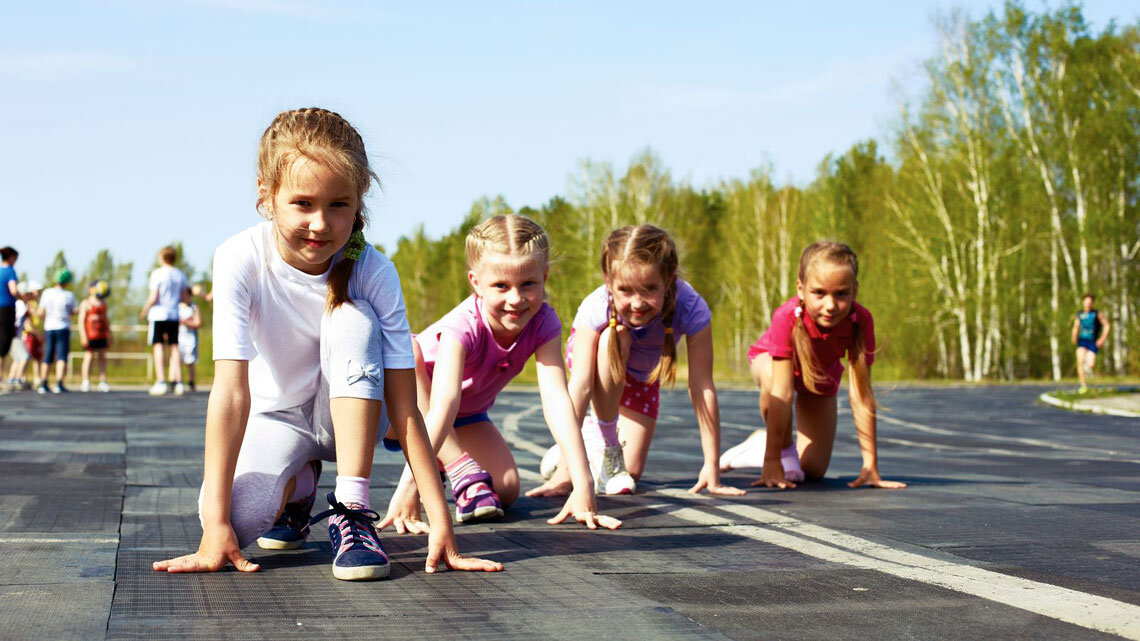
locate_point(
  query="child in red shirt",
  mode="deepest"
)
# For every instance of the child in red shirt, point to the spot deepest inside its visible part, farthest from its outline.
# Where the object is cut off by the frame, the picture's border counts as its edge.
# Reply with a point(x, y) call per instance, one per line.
point(798, 360)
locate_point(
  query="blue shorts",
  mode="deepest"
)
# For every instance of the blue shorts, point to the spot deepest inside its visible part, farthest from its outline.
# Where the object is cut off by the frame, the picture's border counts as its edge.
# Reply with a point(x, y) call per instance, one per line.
point(57, 345)
point(1087, 343)
point(392, 445)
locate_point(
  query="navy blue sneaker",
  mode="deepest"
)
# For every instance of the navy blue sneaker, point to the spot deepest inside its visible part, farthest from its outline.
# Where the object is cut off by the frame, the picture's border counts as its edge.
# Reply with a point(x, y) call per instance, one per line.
point(357, 553)
point(292, 527)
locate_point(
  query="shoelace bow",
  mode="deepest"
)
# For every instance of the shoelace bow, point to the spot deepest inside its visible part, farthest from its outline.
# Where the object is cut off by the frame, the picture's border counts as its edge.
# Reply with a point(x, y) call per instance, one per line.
point(359, 520)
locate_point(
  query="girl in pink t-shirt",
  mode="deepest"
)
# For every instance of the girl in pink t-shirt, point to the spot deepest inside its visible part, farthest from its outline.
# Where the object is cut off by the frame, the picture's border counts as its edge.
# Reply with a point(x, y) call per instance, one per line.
point(623, 345)
point(798, 359)
point(467, 357)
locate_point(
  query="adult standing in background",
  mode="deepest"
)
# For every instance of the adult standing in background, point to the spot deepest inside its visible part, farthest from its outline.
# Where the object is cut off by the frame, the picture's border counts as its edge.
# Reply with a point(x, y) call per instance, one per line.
point(168, 288)
point(8, 296)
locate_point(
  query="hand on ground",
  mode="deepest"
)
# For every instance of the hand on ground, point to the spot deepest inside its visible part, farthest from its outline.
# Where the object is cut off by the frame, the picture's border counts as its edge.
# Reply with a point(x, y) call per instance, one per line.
point(553, 487)
point(404, 513)
point(446, 551)
point(870, 477)
point(218, 549)
point(772, 475)
point(710, 479)
point(583, 507)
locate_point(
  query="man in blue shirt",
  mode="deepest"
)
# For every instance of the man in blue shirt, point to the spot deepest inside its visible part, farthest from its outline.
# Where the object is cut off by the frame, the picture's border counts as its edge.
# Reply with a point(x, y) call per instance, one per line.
point(7, 300)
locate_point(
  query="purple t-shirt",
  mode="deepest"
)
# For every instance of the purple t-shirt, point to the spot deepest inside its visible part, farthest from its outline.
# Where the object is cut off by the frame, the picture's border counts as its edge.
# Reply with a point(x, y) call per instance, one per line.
point(691, 316)
point(487, 366)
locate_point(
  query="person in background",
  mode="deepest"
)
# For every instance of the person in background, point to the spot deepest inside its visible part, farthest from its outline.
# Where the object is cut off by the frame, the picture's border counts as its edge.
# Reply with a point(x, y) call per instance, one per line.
point(95, 333)
point(1090, 331)
point(8, 297)
point(168, 288)
point(189, 320)
point(57, 306)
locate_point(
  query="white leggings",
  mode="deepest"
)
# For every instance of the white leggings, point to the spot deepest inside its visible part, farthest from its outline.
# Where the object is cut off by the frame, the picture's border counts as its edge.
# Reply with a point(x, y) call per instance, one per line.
point(277, 444)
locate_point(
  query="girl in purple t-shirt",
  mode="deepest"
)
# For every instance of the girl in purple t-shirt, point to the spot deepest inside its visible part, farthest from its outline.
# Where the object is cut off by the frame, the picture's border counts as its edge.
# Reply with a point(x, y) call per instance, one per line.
point(467, 357)
point(623, 345)
point(799, 358)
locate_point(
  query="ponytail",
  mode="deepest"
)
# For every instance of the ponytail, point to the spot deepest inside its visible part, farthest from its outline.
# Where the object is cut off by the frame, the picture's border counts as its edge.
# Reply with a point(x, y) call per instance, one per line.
point(813, 376)
point(617, 370)
point(666, 369)
point(860, 372)
point(341, 273)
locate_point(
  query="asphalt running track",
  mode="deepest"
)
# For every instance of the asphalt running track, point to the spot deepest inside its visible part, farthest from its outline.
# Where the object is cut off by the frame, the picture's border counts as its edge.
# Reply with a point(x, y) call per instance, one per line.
point(1020, 522)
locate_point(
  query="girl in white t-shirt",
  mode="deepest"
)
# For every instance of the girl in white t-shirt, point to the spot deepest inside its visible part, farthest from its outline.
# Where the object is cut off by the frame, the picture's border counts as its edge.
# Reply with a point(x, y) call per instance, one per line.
point(310, 340)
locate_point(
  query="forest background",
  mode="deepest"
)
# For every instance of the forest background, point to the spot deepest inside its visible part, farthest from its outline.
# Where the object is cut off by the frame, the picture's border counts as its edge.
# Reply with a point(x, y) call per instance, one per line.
point(1001, 196)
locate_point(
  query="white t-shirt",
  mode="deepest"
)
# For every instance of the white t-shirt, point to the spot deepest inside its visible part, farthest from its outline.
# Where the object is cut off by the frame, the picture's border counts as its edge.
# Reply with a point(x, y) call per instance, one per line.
point(269, 313)
point(186, 334)
point(58, 304)
point(169, 282)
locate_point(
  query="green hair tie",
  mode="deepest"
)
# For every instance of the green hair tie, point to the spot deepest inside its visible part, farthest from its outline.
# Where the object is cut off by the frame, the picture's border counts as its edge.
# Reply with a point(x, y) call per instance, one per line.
point(354, 249)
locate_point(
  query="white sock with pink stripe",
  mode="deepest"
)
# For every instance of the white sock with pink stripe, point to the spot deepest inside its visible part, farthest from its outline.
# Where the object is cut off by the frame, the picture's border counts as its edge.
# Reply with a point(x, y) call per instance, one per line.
point(352, 489)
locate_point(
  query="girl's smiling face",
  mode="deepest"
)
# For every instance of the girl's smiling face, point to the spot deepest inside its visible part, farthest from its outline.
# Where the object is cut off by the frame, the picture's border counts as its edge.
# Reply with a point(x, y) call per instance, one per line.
point(511, 288)
point(638, 292)
point(313, 212)
point(828, 294)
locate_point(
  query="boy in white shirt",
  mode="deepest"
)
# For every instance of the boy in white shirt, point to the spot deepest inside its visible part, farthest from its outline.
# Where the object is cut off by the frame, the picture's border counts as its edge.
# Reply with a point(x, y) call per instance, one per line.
point(168, 287)
point(57, 306)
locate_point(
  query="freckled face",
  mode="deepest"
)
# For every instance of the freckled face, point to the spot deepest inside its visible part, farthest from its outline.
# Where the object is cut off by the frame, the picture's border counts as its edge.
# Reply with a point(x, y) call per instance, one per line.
point(313, 212)
point(638, 292)
point(828, 294)
point(511, 289)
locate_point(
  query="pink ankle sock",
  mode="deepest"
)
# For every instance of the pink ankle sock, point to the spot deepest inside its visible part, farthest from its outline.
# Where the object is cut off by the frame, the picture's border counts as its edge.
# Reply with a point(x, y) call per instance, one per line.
point(609, 432)
point(461, 467)
point(304, 483)
point(352, 489)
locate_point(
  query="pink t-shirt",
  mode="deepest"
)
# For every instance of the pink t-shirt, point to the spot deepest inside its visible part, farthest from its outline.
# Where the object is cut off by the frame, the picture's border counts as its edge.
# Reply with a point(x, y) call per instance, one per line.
point(827, 348)
point(690, 316)
point(487, 366)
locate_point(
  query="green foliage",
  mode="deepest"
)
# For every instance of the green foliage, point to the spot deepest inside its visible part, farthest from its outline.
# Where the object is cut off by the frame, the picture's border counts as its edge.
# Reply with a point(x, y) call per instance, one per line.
point(1013, 188)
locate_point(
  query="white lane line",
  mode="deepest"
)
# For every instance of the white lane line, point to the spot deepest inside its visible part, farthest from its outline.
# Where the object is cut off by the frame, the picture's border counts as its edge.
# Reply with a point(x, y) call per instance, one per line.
point(1078, 608)
point(1070, 606)
point(511, 422)
point(1034, 442)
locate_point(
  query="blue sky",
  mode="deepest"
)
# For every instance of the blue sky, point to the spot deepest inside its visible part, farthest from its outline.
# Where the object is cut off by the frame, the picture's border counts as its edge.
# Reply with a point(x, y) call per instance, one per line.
point(127, 124)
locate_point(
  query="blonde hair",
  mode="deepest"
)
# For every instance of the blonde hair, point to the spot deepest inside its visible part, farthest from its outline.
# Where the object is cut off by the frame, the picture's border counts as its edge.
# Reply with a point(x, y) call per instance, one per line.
point(836, 255)
point(652, 246)
point(326, 138)
point(511, 234)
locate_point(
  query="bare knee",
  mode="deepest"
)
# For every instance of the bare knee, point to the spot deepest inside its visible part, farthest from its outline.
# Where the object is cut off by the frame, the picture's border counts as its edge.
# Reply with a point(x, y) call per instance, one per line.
point(508, 487)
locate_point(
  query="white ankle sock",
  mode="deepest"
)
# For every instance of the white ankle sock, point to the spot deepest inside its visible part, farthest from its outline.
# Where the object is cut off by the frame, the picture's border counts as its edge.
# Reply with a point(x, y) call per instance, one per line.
point(352, 489)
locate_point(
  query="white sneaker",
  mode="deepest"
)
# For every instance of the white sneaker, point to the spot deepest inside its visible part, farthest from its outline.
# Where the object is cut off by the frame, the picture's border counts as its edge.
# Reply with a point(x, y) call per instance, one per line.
point(104, 387)
point(179, 389)
point(610, 475)
point(159, 389)
point(85, 386)
point(550, 462)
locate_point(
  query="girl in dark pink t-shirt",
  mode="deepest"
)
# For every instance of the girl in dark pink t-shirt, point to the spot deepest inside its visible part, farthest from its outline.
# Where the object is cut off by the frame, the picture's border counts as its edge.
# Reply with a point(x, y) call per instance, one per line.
point(799, 359)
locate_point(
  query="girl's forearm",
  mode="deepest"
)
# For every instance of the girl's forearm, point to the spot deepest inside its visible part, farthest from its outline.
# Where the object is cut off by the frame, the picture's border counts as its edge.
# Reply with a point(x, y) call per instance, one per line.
point(226, 417)
point(778, 425)
point(565, 428)
point(421, 461)
point(707, 408)
point(865, 428)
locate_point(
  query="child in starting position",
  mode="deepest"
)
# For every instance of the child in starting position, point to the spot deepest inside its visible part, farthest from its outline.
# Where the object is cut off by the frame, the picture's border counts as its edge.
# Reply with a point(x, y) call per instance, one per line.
point(310, 340)
point(95, 333)
point(623, 345)
point(467, 357)
point(797, 361)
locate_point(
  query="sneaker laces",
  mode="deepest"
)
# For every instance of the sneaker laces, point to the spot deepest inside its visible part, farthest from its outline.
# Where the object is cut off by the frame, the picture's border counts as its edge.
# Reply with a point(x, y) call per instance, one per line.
point(355, 524)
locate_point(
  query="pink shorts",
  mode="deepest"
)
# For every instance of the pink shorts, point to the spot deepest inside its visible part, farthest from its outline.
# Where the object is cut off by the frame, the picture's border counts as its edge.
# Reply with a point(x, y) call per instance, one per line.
point(643, 398)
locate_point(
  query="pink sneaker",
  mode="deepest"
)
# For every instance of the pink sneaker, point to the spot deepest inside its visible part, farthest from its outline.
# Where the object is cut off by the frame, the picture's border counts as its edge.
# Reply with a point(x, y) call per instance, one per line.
point(475, 499)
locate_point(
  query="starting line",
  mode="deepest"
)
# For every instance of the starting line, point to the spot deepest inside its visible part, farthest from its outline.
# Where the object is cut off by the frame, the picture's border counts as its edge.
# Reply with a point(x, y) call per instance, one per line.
point(937, 569)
